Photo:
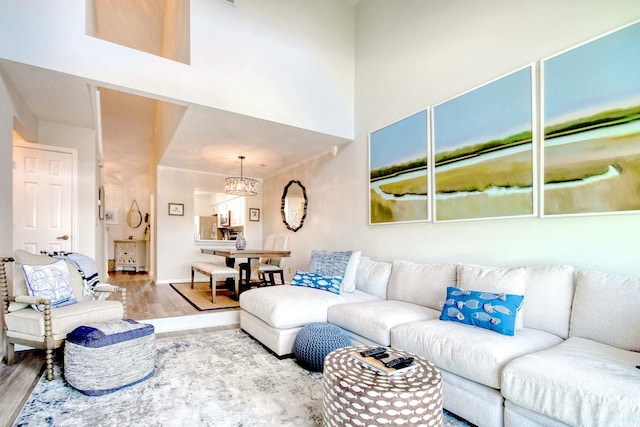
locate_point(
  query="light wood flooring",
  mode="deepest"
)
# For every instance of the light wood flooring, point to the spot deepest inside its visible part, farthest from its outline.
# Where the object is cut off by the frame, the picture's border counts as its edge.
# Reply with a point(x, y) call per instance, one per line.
point(145, 300)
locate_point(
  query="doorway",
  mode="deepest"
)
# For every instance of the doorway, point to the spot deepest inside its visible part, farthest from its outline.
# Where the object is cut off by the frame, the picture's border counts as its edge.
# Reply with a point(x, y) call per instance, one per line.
point(43, 197)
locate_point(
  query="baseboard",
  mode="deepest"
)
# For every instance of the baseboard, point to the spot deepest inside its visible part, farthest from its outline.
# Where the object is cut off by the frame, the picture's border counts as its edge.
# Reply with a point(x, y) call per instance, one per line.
point(196, 321)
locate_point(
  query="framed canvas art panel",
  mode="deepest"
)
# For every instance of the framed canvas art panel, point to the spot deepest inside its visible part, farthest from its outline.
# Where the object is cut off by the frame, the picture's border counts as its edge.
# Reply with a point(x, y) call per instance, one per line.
point(591, 125)
point(398, 171)
point(484, 151)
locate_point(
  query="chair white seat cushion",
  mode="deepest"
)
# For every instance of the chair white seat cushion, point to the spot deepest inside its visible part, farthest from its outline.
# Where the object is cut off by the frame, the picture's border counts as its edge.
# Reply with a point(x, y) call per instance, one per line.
point(29, 323)
point(579, 382)
point(269, 267)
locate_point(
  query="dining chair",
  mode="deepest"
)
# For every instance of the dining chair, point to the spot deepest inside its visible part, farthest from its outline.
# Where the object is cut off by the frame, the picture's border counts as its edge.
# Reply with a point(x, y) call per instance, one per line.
point(275, 265)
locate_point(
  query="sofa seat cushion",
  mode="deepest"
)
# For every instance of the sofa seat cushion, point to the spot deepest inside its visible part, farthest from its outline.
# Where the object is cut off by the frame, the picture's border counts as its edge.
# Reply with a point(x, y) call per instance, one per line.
point(284, 307)
point(29, 323)
point(579, 382)
point(374, 320)
point(467, 351)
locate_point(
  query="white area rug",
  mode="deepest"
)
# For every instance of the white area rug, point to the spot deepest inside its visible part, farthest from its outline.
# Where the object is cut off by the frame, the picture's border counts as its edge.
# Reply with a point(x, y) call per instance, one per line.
point(221, 378)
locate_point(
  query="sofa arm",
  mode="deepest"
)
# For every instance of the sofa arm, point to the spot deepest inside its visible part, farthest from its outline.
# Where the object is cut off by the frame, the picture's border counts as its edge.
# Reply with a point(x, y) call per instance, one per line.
point(105, 287)
point(103, 290)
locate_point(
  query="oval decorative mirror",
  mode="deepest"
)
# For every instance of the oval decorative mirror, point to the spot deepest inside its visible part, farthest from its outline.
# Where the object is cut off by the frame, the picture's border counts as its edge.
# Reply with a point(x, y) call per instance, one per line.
point(134, 217)
point(294, 205)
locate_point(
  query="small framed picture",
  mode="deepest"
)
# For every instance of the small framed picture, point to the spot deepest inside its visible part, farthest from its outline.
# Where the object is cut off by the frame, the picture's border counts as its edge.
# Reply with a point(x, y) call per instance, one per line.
point(176, 209)
point(254, 214)
point(111, 216)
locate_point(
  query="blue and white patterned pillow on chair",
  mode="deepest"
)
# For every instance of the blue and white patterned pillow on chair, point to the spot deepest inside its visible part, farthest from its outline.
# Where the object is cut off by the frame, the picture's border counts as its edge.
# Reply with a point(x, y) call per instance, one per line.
point(49, 281)
point(317, 281)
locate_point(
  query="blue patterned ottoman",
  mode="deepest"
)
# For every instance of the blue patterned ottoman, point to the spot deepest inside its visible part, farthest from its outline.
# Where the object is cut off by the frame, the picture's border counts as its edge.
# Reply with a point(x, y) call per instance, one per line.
point(103, 357)
point(315, 341)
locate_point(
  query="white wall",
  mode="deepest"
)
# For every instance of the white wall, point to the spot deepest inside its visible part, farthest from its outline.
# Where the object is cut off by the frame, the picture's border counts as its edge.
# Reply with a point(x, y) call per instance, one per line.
point(84, 141)
point(289, 62)
point(413, 54)
point(176, 248)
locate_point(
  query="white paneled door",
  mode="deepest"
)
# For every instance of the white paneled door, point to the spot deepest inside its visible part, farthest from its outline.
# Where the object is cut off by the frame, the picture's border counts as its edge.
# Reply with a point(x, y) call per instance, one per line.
point(42, 198)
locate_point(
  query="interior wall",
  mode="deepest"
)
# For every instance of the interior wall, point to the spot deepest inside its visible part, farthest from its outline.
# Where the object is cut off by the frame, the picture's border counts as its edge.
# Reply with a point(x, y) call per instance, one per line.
point(414, 54)
point(84, 141)
point(176, 35)
point(121, 197)
point(176, 248)
point(14, 115)
point(289, 62)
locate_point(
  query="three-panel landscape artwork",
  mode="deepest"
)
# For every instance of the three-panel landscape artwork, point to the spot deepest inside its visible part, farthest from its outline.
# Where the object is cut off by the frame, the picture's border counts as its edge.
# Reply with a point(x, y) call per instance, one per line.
point(488, 154)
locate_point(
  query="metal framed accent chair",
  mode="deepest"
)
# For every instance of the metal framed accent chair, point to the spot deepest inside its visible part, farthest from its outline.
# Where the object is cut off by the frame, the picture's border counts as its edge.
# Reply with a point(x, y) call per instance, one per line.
point(48, 300)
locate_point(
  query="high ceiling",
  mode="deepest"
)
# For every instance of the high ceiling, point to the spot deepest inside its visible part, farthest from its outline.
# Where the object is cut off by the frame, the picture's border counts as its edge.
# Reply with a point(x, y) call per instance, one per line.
point(206, 139)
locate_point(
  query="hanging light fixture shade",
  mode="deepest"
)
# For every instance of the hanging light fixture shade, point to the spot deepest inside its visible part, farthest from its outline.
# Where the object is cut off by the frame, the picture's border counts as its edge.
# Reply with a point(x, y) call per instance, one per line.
point(239, 185)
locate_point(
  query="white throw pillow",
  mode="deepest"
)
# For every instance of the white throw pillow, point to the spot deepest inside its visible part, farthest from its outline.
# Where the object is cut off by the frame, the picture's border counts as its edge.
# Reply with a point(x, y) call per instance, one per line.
point(49, 281)
point(350, 274)
point(494, 279)
point(373, 277)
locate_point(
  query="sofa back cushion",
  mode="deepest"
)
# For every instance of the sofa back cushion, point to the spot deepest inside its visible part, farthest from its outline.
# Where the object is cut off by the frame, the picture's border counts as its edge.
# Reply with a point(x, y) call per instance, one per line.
point(606, 308)
point(424, 284)
point(548, 298)
point(512, 281)
point(373, 277)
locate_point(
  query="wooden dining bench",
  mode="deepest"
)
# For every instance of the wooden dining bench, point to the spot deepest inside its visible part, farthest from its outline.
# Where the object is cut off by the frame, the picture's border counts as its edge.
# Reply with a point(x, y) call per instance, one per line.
point(215, 272)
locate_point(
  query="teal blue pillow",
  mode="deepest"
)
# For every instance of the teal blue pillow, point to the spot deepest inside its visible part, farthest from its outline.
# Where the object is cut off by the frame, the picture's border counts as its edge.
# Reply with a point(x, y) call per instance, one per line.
point(495, 312)
point(317, 281)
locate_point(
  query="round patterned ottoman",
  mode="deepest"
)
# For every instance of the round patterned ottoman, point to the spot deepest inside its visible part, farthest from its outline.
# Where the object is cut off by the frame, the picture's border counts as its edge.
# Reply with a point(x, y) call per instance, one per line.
point(356, 395)
point(315, 341)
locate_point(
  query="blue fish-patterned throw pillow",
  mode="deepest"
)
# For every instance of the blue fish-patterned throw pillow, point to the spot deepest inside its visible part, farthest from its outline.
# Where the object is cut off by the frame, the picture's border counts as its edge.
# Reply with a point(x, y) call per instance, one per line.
point(317, 281)
point(495, 312)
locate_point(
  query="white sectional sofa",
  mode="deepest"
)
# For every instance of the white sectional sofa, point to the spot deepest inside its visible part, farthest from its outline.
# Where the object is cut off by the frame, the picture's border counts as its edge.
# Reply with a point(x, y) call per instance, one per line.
point(571, 361)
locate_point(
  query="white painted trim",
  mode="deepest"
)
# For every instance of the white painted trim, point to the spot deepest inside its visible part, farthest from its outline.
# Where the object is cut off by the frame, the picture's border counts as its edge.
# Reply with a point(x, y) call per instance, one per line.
point(208, 320)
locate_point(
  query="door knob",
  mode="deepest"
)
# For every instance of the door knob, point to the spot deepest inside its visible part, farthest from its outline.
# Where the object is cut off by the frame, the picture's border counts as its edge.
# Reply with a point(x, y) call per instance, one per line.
point(65, 237)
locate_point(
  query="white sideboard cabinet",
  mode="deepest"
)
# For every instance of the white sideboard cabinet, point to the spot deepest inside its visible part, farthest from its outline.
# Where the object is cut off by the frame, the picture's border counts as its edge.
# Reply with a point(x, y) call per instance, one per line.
point(130, 255)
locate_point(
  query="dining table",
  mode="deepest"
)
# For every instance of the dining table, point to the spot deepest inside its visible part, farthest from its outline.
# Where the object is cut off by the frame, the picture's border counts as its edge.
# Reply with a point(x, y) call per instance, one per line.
point(252, 255)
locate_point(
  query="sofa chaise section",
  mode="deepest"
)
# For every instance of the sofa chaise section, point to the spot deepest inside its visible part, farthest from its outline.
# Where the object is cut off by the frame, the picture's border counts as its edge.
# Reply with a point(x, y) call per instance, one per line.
point(274, 315)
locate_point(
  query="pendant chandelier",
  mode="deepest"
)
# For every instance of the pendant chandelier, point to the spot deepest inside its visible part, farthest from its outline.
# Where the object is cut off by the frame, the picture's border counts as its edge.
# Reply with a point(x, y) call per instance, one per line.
point(239, 185)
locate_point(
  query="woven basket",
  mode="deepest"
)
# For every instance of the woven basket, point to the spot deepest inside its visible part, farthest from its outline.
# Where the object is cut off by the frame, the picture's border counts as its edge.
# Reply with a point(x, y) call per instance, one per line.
point(101, 358)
